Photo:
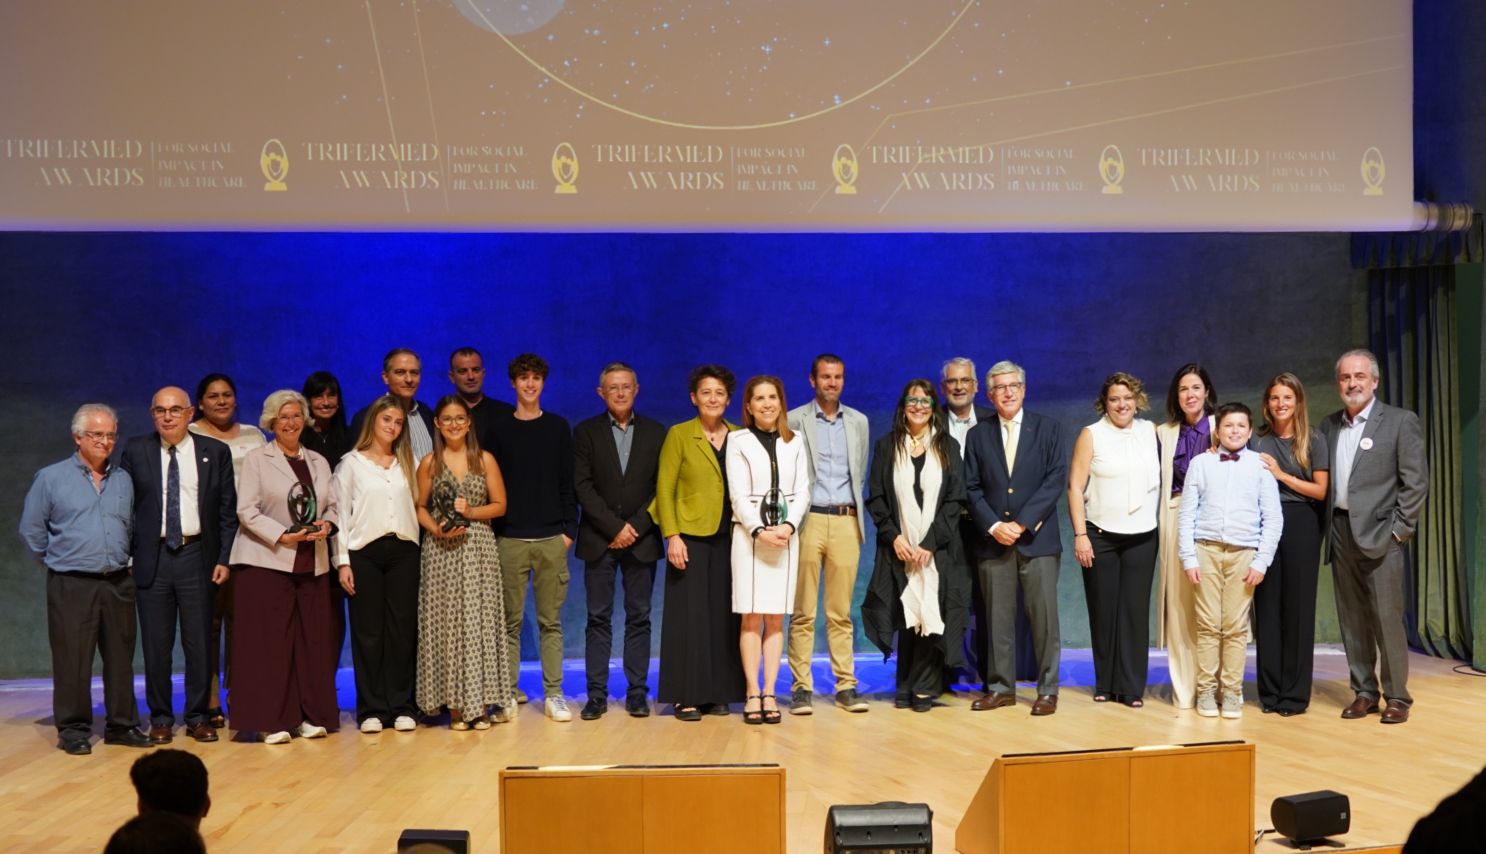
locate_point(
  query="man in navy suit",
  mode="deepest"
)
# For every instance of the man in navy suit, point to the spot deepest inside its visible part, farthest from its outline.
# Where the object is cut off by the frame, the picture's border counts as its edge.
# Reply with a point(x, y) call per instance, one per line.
point(1016, 466)
point(185, 519)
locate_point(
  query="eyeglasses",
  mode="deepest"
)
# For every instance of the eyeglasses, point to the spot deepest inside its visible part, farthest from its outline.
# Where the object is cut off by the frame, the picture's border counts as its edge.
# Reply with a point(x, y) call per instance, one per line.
point(1008, 388)
point(454, 420)
point(172, 411)
point(100, 437)
point(921, 402)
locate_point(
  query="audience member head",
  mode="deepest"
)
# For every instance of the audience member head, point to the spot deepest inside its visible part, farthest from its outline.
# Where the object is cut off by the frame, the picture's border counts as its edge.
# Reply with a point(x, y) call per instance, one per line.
point(171, 781)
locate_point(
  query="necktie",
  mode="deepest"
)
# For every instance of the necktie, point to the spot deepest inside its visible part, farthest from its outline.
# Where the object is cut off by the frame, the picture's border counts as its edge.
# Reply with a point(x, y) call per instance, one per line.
point(1010, 444)
point(173, 536)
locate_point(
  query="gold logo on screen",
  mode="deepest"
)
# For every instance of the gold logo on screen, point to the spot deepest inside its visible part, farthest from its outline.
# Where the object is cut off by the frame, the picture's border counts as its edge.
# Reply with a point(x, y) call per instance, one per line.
point(565, 169)
point(844, 168)
point(1373, 172)
point(1112, 170)
point(274, 161)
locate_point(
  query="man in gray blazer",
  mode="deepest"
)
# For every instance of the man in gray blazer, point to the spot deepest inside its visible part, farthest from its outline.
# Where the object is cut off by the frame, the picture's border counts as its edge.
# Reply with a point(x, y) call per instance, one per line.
point(836, 445)
point(1379, 480)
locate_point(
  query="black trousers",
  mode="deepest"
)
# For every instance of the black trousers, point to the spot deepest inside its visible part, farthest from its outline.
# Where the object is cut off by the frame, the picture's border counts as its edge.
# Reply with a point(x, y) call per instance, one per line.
point(181, 592)
point(384, 628)
point(920, 664)
point(85, 613)
point(1285, 611)
point(1118, 590)
point(639, 585)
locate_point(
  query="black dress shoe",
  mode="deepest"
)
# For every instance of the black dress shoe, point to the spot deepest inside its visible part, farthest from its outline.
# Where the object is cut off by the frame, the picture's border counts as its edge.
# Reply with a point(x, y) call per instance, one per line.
point(594, 709)
point(720, 710)
point(638, 706)
point(127, 737)
point(902, 701)
point(75, 746)
point(688, 713)
point(922, 704)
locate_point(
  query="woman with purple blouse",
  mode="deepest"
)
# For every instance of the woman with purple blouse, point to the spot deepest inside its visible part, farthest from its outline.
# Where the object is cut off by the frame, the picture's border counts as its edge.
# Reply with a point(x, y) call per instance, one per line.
point(1187, 432)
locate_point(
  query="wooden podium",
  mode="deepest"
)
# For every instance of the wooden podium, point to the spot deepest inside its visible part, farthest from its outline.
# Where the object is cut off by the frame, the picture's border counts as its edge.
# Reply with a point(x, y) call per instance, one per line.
point(1188, 798)
point(643, 809)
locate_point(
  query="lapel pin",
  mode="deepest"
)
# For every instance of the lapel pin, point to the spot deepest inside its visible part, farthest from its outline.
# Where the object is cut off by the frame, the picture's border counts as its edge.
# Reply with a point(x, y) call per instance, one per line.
point(1365, 444)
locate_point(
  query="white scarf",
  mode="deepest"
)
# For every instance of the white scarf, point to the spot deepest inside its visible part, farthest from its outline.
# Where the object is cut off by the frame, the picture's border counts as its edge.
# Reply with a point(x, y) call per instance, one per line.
point(921, 594)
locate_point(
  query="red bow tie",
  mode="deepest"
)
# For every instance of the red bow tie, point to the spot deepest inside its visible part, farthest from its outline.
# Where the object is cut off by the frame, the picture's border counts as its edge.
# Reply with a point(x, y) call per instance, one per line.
point(1223, 458)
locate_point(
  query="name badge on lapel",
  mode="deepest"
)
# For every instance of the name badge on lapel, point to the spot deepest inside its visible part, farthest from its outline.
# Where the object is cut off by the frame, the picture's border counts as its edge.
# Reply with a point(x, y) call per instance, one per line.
point(1365, 444)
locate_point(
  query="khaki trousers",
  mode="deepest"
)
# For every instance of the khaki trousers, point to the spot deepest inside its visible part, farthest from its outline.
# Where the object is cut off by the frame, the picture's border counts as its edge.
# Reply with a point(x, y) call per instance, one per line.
point(830, 543)
point(545, 564)
point(1222, 606)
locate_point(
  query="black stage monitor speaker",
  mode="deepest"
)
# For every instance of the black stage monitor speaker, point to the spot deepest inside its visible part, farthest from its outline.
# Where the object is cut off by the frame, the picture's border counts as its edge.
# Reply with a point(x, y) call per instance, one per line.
point(1311, 816)
point(453, 841)
point(890, 827)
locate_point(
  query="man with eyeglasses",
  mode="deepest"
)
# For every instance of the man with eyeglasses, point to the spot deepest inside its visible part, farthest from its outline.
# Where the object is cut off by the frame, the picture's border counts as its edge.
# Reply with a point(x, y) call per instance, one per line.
point(467, 373)
point(958, 384)
point(75, 522)
point(402, 371)
point(185, 520)
point(1016, 467)
point(535, 452)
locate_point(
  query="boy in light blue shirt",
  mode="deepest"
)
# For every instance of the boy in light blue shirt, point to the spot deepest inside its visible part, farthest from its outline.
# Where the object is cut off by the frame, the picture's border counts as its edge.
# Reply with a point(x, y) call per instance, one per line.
point(1227, 532)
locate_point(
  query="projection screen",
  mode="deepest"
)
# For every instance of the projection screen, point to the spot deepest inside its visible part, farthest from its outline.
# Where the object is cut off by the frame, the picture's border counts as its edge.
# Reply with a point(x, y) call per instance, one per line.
point(731, 115)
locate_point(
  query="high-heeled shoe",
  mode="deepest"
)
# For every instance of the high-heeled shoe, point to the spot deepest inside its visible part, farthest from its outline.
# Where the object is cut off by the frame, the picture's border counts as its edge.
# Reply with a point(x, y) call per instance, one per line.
point(753, 716)
point(771, 716)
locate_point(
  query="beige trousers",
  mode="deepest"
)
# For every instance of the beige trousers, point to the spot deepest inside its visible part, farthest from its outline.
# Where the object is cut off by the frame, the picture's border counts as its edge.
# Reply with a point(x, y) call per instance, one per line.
point(1222, 607)
point(830, 543)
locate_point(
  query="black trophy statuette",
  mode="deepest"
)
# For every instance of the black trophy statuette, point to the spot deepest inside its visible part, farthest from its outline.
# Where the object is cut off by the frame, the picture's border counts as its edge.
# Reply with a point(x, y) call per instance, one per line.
point(773, 509)
point(302, 508)
point(442, 500)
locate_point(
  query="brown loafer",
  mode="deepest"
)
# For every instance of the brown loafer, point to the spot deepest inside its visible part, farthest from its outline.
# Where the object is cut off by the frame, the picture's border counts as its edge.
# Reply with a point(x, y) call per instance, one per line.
point(1396, 713)
point(1361, 708)
point(160, 734)
point(1045, 704)
point(202, 732)
point(995, 700)
point(216, 718)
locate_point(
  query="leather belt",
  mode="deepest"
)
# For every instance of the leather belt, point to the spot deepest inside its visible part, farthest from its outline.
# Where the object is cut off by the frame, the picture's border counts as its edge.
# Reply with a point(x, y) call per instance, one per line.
point(186, 539)
point(834, 509)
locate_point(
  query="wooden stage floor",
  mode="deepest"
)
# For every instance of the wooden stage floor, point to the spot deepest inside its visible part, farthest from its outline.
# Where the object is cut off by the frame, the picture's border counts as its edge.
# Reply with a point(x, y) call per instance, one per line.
point(353, 792)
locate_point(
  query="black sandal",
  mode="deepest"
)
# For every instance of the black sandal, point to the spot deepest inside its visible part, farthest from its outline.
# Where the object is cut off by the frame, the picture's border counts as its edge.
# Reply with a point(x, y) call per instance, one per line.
point(1102, 697)
point(1132, 701)
point(771, 716)
point(753, 717)
point(688, 713)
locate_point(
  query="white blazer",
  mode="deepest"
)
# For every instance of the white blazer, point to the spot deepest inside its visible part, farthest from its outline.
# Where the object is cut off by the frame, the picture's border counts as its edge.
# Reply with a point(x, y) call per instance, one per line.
point(764, 576)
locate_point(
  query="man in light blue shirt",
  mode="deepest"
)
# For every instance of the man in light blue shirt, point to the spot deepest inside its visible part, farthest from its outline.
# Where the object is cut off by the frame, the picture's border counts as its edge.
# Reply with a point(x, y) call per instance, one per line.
point(76, 524)
point(1227, 531)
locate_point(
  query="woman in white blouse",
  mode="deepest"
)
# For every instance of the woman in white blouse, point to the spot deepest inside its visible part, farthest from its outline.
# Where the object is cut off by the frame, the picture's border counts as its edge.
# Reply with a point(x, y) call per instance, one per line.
point(377, 556)
point(1114, 487)
point(769, 486)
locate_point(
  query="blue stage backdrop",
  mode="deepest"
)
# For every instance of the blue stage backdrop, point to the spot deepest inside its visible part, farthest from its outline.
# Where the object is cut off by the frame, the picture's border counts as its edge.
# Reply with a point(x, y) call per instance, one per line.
point(106, 317)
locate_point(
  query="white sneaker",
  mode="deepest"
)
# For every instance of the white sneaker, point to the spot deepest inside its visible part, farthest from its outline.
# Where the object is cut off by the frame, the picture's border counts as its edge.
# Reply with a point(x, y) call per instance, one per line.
point(1232, 707)
point(1207, 704)
point(502, 714)
point(309, 730)
point(280, 737)
point(557, 709)
point(371, 725)
point(403, 723)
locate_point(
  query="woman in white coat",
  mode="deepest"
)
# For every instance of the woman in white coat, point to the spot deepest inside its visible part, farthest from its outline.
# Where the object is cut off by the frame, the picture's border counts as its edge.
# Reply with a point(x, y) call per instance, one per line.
point(769, 486)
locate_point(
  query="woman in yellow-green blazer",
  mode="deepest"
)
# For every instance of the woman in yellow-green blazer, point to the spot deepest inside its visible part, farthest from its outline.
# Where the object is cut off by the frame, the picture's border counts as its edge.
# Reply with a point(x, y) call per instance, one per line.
point(700, 671)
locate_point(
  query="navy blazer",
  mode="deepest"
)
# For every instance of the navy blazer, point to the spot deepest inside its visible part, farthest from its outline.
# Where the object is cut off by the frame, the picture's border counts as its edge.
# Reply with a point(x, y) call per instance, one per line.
point(1028, 497)
point(216, 502)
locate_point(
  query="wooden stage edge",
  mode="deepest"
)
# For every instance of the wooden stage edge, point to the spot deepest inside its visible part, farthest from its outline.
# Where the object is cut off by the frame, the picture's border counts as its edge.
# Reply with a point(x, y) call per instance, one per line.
point(354, 792)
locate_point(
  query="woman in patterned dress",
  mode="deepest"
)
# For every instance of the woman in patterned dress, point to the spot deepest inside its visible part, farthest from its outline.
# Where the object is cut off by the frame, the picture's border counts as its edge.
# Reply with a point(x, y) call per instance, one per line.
point(462, 659)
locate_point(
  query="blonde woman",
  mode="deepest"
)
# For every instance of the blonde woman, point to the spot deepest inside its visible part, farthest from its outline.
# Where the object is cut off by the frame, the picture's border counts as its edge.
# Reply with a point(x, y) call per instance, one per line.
point(377, 557)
